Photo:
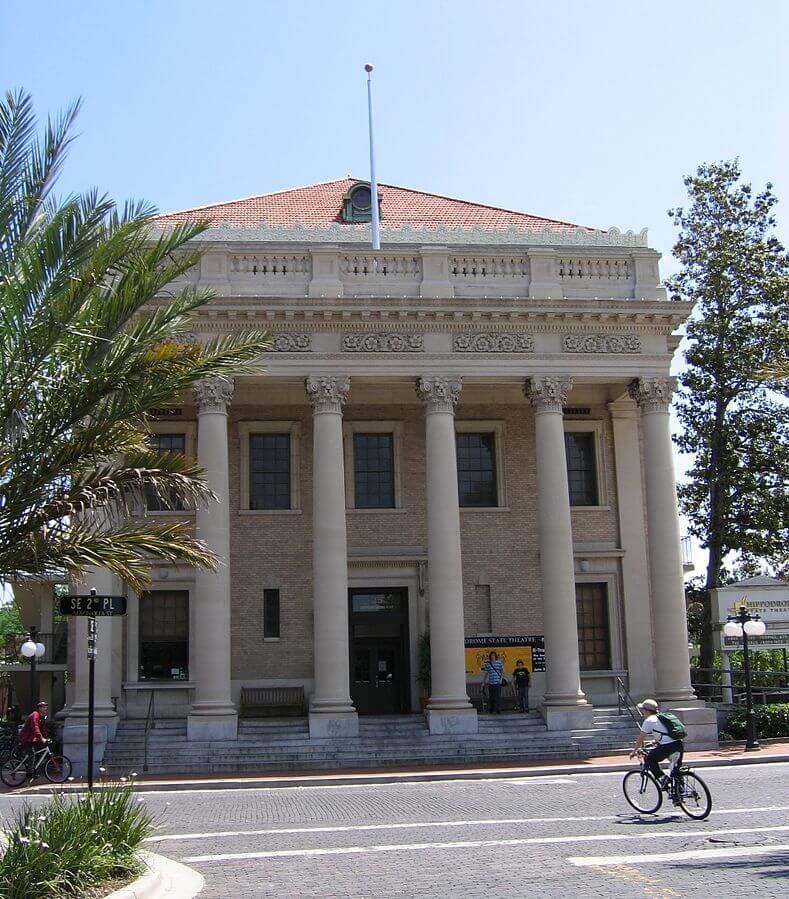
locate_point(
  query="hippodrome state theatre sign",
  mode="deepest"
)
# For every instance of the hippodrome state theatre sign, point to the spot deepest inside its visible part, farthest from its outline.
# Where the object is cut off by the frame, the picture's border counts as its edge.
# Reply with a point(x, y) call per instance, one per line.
point(763, 596)
point(530, 649)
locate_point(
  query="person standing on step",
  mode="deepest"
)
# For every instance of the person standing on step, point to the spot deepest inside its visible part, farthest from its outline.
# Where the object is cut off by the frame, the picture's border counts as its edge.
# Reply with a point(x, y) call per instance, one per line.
point(494, 678)
point(522, 681)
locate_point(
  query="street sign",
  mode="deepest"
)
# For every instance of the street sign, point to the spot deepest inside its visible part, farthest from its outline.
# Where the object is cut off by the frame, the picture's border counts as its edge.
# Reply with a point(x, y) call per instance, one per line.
point(85, 606)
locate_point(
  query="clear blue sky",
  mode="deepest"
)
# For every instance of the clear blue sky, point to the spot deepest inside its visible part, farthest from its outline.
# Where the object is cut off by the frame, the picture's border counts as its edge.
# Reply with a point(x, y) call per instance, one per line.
point(589, 112)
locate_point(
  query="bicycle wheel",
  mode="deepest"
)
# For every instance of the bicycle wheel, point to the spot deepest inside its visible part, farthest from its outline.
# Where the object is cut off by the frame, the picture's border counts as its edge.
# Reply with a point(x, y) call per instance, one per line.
point(57, 769)
point(13, 772)
point(642, 792)
point(693, 795)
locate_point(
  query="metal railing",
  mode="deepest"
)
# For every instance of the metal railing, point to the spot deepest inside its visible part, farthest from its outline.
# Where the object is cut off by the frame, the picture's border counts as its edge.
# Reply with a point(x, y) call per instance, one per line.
point(728, 686)
point(55, 642)
point(150, 724)
point(625, 701)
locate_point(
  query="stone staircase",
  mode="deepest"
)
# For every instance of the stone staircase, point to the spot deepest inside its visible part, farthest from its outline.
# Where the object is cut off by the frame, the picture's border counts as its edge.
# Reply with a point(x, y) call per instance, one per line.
point(283, 744)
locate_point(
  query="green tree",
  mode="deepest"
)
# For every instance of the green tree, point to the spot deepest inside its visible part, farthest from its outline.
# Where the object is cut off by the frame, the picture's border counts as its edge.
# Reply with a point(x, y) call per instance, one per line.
point(731, 404)
point(92, 339)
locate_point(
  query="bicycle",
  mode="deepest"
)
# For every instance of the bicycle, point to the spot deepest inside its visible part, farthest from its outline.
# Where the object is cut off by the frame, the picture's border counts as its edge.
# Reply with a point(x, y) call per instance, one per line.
point(686, 789)
point(21, 766)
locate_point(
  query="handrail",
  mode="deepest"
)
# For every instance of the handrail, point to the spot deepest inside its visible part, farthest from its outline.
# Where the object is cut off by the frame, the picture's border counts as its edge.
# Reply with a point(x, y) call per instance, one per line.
point(623, 697)
point(150, 724)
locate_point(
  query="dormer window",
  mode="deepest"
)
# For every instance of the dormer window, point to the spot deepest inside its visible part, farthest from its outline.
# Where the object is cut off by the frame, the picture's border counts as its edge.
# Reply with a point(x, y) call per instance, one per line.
point(357, 203)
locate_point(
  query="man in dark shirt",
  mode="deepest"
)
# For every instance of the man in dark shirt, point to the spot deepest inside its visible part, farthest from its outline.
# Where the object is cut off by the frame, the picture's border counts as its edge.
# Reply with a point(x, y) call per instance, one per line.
point(522, 681)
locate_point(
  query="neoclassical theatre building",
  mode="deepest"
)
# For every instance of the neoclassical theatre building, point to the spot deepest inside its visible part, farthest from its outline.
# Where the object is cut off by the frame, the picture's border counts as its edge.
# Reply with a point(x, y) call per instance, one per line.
point(465, 433)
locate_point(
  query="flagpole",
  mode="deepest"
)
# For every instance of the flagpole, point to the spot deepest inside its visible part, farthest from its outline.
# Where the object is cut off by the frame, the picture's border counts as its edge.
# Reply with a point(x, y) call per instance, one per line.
point(374, 224)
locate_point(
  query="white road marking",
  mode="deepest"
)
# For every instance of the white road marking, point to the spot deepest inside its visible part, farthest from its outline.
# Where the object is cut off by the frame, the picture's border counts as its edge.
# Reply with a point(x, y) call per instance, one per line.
point(477, 844)
point(413, 825)
point(691, 854)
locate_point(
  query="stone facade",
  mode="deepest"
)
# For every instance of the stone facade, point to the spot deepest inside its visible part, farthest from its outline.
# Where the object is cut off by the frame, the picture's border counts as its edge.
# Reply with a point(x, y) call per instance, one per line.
point(510, 334)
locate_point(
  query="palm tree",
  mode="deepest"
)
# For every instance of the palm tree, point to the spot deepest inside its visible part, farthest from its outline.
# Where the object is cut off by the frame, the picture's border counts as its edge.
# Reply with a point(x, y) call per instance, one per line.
point(91, 341)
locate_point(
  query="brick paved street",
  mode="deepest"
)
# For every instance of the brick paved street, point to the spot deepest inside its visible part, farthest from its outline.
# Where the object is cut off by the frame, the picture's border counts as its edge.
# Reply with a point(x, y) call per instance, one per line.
point(549, 836)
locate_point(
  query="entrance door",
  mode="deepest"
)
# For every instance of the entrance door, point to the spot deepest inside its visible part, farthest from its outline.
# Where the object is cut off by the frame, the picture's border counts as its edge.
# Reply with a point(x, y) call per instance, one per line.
point(380, 675)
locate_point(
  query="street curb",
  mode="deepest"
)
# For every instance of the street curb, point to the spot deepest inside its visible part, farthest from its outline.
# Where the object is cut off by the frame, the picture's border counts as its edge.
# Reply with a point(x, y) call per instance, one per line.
point(166, 879)
point(340, 780)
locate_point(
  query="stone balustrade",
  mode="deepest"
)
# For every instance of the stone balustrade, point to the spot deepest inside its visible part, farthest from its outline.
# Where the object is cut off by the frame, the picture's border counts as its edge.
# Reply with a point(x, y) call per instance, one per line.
point(436, 272)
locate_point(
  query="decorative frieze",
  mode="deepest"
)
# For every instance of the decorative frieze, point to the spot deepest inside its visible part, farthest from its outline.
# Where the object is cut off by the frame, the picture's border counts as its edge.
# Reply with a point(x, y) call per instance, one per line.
point(439, 394)
point(213, 394)
point(493, 342)
point(327, 393)
point(290, 342)
point(382, 342)
point(652, 394)
point(601, 343)
point(548, 394)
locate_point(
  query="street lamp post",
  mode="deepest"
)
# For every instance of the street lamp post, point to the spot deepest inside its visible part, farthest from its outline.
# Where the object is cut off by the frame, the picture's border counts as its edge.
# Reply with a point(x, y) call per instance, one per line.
point(33, 650)
point(746, 625)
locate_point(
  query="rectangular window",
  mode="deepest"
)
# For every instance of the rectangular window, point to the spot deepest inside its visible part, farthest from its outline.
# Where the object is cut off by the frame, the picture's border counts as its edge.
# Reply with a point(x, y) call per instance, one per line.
point(269, 471)
point(164, 443)
point(164, 635)
point(271, 614)
point(476, 456)
point(579, 448)
point(373, 471)
point(594, 640)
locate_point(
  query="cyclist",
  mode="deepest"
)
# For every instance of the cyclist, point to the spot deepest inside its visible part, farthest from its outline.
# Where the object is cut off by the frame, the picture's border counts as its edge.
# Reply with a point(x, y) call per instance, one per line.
point(665, 746)
point(34, 732)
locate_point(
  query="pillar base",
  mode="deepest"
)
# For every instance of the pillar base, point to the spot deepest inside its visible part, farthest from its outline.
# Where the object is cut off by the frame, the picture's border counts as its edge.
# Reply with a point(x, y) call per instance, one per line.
point(452, 721)
point(107, 718)
point(685, 698)
point(212, 727)
point(75, 746)
point(568, 717)
point(333, 725)
point(701, 723)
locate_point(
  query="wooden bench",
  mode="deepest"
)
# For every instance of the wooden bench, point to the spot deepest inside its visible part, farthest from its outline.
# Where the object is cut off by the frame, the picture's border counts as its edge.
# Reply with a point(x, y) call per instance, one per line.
point(268, 702)
point(509, 698)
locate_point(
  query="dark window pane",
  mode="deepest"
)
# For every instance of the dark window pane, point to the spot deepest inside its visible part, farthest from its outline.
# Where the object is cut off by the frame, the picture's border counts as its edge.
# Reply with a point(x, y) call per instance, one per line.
point(164, 635)
point(581, 469)
point(476, 455)
point(373, 471)
point(594, 640)
point(269, 471)
point(164, 443)
point(271, 613)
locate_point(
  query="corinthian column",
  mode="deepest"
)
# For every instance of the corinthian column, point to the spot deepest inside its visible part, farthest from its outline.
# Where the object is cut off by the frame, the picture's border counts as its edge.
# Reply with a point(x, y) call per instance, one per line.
point(670, 626)
point(331, 710)
point(448, 710)
point(213, 715)
point(564, 704)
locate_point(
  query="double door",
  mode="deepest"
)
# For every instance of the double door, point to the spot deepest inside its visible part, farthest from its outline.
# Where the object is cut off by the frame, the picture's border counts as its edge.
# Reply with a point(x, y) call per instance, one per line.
point(380, 677)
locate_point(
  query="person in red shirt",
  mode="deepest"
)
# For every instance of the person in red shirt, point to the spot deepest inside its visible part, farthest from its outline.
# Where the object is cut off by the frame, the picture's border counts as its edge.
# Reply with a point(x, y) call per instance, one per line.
point(33, 734)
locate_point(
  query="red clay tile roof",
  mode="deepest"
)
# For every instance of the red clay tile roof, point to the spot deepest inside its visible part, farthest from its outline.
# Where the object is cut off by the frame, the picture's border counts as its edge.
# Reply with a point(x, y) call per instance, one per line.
point(320, 205)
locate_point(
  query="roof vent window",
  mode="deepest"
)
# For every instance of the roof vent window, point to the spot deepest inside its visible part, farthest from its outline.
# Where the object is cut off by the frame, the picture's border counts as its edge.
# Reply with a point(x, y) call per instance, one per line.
point(357, 204)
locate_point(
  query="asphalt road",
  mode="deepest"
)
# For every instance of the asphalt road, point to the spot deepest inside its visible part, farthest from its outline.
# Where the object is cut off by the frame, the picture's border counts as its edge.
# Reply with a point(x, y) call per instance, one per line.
point(546, 837)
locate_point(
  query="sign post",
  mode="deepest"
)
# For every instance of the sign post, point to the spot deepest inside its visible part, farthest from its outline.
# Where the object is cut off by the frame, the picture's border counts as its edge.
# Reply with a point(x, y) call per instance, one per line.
point(91, 693)
point(91, 607)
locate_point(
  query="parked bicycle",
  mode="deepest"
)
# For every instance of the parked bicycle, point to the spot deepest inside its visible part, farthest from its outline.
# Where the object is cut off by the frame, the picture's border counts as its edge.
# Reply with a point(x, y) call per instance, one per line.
point(684, 788)
point(16, 769)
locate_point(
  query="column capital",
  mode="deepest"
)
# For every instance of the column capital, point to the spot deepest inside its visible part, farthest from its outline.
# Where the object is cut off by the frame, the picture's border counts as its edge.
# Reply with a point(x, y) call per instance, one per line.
point(213, 394)
point(652, 394)
point(548, 394)
point(438, 393)
point(327, 393)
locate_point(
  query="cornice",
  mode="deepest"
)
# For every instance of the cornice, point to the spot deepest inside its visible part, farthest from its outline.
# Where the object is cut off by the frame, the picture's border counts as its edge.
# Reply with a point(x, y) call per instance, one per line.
point(359, 237)
point(663, 318)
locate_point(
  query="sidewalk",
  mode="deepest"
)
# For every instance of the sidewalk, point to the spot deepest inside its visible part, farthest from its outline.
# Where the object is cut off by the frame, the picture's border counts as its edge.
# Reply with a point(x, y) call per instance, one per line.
point(731, 754)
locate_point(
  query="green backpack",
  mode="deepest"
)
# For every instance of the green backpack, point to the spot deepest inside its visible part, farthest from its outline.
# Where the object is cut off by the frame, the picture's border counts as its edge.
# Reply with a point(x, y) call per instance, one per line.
point(674, 727)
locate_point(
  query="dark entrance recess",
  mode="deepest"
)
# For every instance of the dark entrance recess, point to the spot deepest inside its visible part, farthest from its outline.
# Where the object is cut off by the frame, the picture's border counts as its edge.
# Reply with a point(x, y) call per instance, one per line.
point(380, 670)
